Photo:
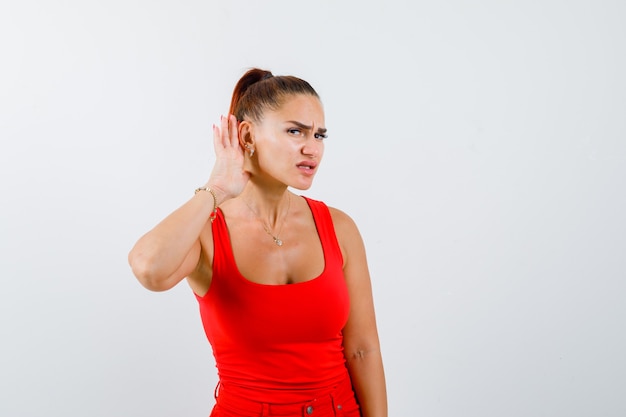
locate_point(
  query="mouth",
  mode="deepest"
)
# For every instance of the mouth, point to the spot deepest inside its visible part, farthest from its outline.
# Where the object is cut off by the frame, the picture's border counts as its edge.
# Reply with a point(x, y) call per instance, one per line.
point(307, 166)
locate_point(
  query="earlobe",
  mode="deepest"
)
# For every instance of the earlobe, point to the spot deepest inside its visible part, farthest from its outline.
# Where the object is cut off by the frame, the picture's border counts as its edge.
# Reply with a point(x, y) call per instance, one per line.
point(246, 139)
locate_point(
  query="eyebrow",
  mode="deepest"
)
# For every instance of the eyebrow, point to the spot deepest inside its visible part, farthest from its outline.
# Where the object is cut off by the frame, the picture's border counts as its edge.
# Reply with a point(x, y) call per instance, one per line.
point(303, 126)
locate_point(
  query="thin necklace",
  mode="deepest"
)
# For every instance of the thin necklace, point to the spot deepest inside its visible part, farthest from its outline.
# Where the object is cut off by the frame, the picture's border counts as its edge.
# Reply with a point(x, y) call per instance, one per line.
point(276, 238)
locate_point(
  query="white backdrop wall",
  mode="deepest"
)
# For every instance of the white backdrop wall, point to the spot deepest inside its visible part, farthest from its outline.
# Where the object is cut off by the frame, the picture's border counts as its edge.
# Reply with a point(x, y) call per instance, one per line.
point(480, 146)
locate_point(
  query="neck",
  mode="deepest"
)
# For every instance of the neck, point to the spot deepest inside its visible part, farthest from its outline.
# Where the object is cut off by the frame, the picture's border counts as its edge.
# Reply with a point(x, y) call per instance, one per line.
point(269, 205)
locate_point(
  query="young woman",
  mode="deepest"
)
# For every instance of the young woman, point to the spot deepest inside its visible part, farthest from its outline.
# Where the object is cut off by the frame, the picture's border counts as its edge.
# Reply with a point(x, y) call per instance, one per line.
point(282, 280)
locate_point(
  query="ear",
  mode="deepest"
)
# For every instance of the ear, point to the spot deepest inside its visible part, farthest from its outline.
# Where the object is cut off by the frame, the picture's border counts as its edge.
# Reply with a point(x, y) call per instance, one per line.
point(246, 134)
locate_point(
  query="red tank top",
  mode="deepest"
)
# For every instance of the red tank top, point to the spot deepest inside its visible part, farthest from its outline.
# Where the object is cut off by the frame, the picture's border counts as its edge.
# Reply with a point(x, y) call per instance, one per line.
point(277, 343)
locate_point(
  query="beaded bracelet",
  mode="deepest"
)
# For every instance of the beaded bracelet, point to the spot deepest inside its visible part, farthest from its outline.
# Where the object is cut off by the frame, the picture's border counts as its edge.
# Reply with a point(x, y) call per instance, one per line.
point(214, 212)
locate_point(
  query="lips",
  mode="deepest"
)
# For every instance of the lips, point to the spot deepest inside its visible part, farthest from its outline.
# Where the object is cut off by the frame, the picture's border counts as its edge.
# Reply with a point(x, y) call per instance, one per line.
point(307, 165)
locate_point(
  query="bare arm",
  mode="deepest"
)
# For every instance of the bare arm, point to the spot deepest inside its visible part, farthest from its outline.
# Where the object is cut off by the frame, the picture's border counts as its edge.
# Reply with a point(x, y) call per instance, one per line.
point(171, 250)
point(361, 344)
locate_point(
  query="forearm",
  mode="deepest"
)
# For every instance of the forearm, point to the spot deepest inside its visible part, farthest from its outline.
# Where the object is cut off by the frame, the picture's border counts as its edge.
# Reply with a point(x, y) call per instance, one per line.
point(368, 380)
point(161, 251)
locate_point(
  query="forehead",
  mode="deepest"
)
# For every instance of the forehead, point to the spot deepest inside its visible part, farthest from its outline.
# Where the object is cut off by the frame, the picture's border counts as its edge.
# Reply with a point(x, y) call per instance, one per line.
point(302, 108)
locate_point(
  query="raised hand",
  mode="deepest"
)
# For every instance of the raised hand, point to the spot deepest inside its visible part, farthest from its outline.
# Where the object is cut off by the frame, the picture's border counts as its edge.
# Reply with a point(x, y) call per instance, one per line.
point(228, 177)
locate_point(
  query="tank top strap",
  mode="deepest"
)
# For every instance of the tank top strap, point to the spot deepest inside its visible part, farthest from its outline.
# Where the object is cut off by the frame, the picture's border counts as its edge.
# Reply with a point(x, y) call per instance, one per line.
point(325, 229)
point(222, 251)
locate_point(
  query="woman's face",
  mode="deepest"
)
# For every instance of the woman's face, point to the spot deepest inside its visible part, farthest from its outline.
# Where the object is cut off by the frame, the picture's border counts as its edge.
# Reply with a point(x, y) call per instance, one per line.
point(289, 142)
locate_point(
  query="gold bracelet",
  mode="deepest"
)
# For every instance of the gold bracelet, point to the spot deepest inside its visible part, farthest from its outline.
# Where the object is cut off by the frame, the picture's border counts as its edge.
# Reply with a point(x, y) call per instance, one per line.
point(214, 212)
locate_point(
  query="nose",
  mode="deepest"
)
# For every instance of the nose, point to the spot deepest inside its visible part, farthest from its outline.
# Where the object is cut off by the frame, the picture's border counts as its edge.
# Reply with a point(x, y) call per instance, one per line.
point(312, 147)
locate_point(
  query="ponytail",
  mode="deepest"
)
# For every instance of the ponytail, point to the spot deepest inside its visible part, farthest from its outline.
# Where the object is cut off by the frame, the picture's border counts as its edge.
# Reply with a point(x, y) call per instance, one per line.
point(258, 90)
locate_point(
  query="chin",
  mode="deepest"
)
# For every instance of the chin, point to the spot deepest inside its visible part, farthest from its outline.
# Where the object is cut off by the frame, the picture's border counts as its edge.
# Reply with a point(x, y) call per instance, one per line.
point(302, 186)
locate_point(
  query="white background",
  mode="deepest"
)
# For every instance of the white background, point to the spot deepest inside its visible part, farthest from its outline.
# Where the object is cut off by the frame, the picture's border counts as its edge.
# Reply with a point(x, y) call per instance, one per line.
point(480, 146)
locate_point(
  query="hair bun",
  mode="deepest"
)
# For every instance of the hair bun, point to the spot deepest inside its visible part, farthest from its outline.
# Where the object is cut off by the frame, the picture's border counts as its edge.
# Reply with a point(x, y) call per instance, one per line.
point(259, 89)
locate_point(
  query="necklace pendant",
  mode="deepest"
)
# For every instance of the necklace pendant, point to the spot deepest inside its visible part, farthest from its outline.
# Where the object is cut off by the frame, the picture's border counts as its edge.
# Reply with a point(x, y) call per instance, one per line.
point(278, 241)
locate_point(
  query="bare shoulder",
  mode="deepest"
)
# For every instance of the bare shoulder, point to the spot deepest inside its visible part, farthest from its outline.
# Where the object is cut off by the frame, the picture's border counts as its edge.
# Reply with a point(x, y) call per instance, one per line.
point(347, 233)
point(342, 221)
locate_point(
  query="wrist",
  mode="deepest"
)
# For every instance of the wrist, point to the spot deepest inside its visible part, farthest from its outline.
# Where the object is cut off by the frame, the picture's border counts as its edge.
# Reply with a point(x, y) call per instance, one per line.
point(218, 192)
point(211, 192)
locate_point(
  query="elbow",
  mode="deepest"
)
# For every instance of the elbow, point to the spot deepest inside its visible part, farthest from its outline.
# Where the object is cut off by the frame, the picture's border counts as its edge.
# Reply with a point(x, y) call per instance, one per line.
point(358, 355)
point(362, 352)
point(146, 272)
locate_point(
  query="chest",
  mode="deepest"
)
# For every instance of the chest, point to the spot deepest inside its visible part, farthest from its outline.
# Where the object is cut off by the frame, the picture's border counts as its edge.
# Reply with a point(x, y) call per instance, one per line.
point(261, 260)
point(276, 304)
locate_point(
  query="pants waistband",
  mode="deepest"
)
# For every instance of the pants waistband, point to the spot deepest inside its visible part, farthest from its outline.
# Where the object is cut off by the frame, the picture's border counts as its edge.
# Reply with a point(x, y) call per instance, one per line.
point(338, 400)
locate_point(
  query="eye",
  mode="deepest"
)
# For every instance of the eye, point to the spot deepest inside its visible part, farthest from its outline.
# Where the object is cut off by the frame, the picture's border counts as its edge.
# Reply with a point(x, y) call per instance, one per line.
point(321, 136)
point(294, 131)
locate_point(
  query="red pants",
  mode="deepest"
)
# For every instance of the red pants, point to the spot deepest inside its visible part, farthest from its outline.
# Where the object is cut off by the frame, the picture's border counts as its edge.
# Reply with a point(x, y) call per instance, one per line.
point(340, 402)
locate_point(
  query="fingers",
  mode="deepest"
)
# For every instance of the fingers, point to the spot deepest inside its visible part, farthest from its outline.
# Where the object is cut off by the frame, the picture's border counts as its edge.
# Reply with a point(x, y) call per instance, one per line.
point(234, 131)
point(224, 131)
point(226, 135)
point(217, 140)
